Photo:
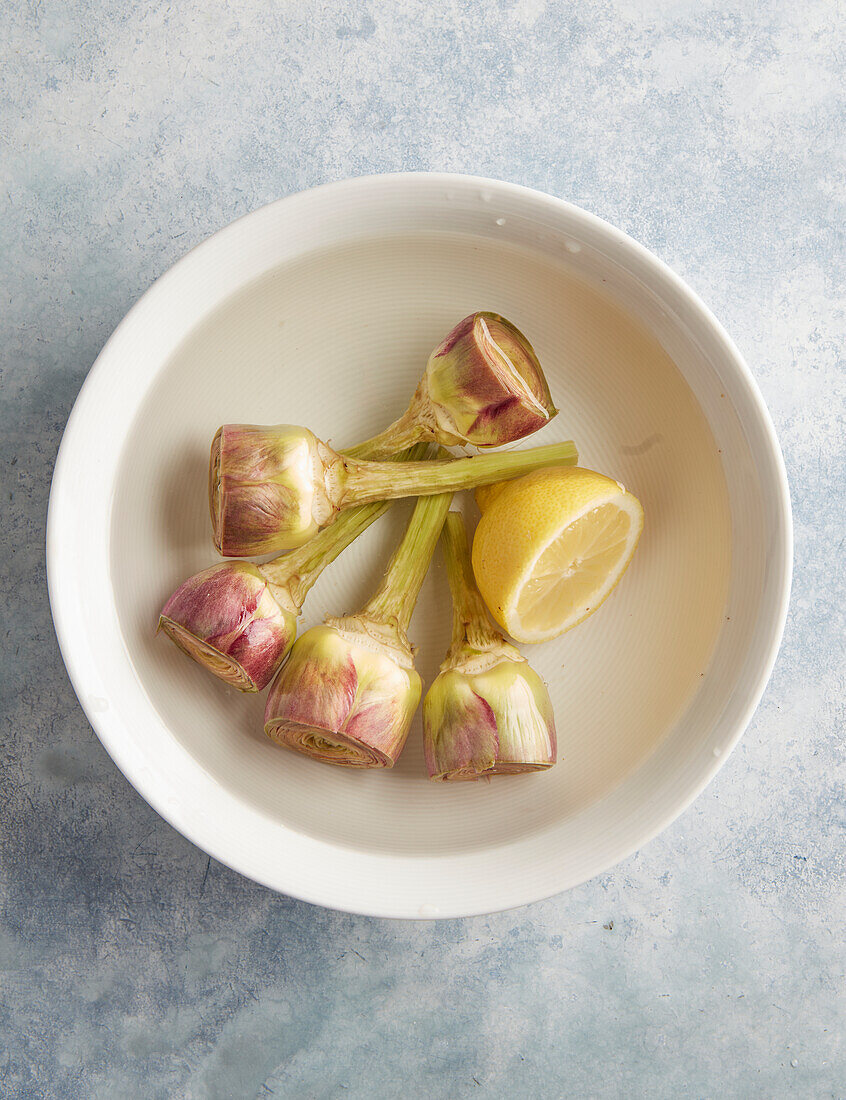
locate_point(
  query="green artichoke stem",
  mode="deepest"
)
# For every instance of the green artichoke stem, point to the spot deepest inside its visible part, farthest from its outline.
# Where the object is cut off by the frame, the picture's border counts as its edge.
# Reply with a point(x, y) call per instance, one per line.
point(363, 482)
point(471, 627)
point(404, 432)
point(394, 600)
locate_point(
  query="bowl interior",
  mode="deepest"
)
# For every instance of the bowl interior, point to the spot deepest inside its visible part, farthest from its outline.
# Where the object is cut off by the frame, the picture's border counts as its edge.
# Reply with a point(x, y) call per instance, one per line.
point(336, 339)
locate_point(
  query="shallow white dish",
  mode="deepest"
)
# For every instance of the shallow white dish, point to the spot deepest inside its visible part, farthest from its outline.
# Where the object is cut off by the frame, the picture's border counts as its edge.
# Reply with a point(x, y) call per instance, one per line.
point(321, 309)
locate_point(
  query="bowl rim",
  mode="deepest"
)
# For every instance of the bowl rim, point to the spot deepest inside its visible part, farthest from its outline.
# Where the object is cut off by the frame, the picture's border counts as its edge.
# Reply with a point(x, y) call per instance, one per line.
point(83, 675)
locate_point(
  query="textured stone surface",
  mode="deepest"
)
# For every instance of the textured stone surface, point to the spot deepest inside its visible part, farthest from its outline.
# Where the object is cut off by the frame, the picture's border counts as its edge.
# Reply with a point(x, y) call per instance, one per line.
point(709, 964)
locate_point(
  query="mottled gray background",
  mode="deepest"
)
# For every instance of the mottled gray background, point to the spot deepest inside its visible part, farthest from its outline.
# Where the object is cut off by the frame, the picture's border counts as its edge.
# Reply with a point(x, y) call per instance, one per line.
point(708, 965)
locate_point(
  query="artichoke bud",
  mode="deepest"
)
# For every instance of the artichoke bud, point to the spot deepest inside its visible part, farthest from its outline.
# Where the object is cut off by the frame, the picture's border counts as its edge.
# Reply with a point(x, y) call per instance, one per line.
point(229, 620)
point(263, 488)
point(343, 698)
point(496, 721)
point(485, 384)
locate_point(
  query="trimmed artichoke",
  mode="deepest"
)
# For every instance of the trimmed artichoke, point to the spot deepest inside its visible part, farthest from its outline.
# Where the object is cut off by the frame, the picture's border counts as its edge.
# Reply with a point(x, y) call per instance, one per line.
point(493, 722)
point(229, 620)
point(487, 712)
point(349, 689)
point(483, 385)
point(271, 489)
point(343, 702)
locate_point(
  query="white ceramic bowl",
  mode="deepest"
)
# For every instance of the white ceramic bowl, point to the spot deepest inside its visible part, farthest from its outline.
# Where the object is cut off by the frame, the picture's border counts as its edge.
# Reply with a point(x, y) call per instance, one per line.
point(321, 310)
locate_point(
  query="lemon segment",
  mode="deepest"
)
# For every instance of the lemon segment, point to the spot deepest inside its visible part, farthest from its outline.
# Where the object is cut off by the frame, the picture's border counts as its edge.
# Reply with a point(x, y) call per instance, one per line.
point(551, 546)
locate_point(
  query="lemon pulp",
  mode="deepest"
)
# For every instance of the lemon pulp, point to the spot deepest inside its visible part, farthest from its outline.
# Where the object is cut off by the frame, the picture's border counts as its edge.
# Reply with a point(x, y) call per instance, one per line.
point(574, 569)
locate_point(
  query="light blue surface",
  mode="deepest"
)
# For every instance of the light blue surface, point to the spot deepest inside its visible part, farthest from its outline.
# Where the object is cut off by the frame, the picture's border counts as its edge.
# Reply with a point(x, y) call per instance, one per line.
point(708, 965)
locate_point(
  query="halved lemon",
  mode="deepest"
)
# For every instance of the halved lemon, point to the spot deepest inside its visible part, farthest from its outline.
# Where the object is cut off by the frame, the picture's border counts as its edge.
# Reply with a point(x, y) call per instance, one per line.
point(551, 546)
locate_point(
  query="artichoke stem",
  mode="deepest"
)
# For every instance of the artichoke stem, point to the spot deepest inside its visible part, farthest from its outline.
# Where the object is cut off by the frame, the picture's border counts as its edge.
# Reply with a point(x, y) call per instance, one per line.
point(471, 627)
point(409, 429)
point(394, 600)
point(364, 482)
